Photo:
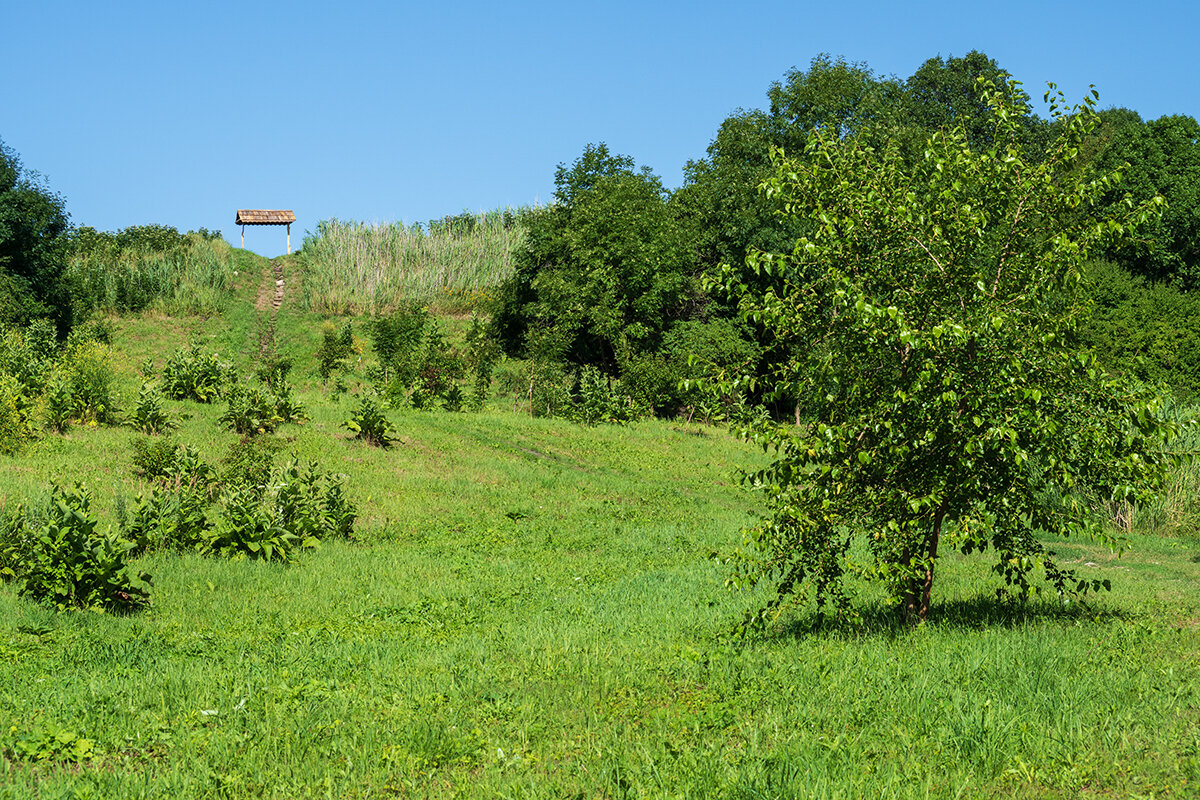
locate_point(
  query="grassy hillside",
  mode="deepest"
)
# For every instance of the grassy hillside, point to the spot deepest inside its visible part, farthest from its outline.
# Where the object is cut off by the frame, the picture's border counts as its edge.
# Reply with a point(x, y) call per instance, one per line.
point(530, 609)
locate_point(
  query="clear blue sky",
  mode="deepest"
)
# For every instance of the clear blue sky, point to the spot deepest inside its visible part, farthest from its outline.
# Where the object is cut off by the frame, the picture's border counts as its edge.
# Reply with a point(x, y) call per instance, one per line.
point(180, 113)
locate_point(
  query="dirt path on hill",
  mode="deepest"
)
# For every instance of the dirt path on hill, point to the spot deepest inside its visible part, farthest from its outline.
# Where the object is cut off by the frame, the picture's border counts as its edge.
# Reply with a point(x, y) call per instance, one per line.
point(268, 302)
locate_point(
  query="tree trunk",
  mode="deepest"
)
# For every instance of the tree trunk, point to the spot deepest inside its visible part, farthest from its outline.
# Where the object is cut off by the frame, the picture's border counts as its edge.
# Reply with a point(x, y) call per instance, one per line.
point(915, 605)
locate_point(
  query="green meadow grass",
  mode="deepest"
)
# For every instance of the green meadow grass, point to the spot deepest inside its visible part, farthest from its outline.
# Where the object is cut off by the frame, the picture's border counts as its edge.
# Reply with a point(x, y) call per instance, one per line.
point(531, 609)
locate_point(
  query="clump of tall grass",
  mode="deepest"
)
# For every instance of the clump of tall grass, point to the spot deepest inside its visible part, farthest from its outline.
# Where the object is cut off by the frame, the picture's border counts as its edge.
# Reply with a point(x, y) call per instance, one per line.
point(357, 268)
point(1176, 511)
point(150, 266)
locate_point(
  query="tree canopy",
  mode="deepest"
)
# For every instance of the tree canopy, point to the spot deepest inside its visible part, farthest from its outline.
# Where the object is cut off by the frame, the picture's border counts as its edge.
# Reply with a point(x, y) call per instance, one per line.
point(604, 270)
point(33, 247)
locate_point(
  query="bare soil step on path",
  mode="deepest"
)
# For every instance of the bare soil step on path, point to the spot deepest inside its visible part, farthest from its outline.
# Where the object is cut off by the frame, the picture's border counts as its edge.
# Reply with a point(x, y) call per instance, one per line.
point(270, 296)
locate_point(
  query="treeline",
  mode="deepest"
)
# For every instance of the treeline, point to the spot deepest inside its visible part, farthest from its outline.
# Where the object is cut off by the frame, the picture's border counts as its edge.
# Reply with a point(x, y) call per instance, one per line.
point(612, 275)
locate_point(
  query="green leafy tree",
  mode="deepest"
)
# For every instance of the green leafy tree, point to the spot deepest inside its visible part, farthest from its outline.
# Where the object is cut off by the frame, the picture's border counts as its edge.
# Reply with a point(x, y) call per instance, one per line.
point(605, 269)
point(33, 248)
point(1160, 157)
point(930, 318)
point(943, 94)
point(721, 198)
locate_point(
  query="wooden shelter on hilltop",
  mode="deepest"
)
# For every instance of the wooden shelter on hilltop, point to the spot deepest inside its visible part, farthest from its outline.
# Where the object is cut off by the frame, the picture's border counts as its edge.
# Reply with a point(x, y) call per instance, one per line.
point(260, 216)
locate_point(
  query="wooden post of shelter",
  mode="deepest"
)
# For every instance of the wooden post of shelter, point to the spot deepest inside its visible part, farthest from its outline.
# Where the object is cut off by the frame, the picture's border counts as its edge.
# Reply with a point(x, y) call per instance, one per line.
point(249, 216)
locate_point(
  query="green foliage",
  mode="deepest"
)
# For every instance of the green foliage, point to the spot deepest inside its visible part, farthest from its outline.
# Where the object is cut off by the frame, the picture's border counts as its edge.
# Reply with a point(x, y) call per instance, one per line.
point(53, 743)
point(87, 374)
point(336, 346)
point(297, 508)
point(600, 399)
point(58, 407)
point(665, 380)
point(260, 511)
point(287, 407)
point(249, 462)
point(369, 422)
point(604, 271)
point(252, 411)
point(311, 504)
point(482, 354)
point(172, 517)
point(15, 412)
point(396, 340)
point(149, 266)
point(63, 560)
point(1156, 158)
point(930, 319)
point(33, 248)
point(163, 462)
point(1148, 331)
point(149, 416)
point(29, 353)
point(245, 528)
point(944, 94)
point(273, 368)
point(190, 374)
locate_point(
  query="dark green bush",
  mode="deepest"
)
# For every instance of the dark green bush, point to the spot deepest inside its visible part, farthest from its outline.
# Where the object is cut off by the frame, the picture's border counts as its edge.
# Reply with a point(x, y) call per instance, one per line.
point(163, 462)
point(249, 462)
point(246, 528)
point(190, 374)
point(296, 509)
point(604, 271)
point(63, 560)
point(251, 411)
point(369, 422)
point(396, 339)
point(1149, 331)
point(335, 348)
point(171, 518)
point(287, 407)
point(261, 512)
point(148, 415)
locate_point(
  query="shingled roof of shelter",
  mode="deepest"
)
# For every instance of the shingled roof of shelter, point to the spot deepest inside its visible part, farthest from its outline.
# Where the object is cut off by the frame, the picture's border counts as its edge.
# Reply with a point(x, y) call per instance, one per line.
point(252, 216)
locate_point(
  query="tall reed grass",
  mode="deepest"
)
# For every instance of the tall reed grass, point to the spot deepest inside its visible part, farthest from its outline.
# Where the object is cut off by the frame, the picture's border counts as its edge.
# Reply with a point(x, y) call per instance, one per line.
point(357, 267)
point(193, 277)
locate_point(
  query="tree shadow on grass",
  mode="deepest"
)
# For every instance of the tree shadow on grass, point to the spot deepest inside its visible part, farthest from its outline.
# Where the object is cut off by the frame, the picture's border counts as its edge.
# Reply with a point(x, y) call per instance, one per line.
point(966, 614)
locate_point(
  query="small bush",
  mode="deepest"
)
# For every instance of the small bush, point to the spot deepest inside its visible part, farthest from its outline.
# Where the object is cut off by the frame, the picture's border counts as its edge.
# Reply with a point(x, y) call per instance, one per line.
point(86, 368)
point(15, 411)
point(396, 339)
point(311, 504)
point(600, 399)
point(335, 348)
point(190, 374)
point(370, 423)
point(167, 464)
point(482, 354)
point(148, 415)
point(246, 528)
point(262, 513)
point(169, 518)
point(287, 407)
point(251, 411)
point(273, 369)
point(58, 407)
point(27, 354)
point(65, 561)
point(249, 462)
